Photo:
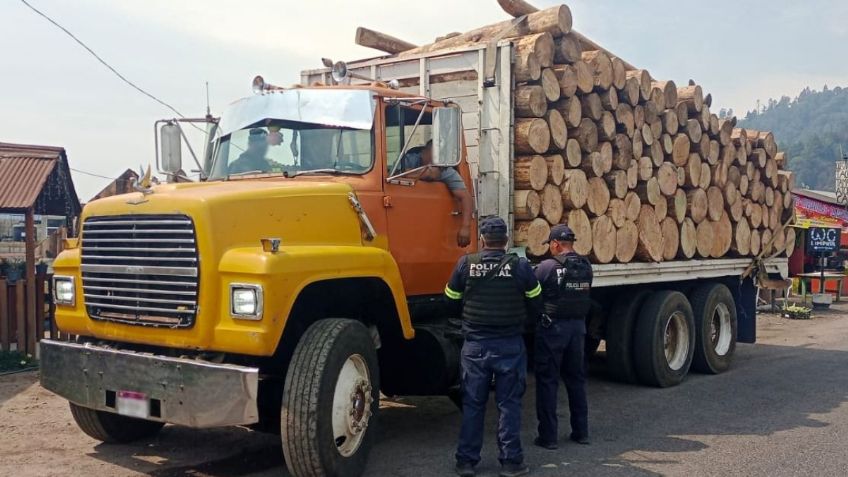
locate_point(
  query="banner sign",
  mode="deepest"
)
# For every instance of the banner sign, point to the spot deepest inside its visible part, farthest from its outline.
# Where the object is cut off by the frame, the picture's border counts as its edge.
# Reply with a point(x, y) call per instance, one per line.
point(816, 221)
point(821, 208)
point(823, 240)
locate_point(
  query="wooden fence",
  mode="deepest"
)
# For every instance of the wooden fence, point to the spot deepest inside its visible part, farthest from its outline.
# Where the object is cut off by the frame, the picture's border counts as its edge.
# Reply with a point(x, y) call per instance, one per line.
point(20, 330)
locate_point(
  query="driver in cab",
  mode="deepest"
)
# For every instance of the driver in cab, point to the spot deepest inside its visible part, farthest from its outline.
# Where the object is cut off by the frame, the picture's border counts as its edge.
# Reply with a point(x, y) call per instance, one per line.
point(253, 159)
point(422, 156)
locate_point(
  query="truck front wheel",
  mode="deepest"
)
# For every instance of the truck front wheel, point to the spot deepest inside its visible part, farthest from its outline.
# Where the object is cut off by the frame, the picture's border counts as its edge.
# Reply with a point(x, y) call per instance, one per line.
point(715, 328)
point(664, 341)
point(113, 428)
point(330, 400)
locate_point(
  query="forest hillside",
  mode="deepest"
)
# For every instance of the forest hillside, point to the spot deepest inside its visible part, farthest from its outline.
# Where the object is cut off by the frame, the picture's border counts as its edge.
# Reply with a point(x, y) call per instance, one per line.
point(810, 128)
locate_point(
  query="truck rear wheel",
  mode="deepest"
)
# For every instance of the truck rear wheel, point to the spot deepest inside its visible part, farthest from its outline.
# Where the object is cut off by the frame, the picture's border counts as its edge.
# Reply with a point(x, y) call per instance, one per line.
point(619, 336)
point(715, 328)
point(330, 400)
point(113, 428)
point(664, 339)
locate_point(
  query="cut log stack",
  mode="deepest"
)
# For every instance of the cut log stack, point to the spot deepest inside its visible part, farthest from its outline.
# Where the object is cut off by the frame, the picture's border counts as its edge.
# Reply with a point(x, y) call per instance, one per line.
point(638, 167)
point(693, 195)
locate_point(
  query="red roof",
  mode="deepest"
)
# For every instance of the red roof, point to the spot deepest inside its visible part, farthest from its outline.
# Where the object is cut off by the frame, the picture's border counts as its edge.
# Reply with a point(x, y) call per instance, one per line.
point(24, 172)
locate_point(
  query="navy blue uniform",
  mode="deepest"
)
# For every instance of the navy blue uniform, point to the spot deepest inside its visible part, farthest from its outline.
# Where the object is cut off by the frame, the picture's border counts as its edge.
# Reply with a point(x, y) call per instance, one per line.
point(559, 352)
point(493, 351)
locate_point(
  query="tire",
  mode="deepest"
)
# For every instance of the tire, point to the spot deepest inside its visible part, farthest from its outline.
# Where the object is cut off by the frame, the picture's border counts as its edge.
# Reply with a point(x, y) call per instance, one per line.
point(619, 336)
point(330, 400)
point(715, 328)
point(113, 428)
point(664, 339)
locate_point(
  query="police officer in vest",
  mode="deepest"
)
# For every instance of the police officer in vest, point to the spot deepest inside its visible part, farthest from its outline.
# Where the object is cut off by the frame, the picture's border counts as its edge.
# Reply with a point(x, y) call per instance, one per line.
point(494, 292)
point(566, 282)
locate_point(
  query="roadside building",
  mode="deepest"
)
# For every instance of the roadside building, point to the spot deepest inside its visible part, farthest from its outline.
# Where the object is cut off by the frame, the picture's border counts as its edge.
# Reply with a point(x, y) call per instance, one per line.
point(816, 208)
point(121, 185)
point(35, 183)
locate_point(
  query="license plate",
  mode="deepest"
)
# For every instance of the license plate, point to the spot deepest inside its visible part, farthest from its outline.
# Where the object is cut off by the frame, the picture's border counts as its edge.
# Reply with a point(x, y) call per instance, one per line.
point(133, 404)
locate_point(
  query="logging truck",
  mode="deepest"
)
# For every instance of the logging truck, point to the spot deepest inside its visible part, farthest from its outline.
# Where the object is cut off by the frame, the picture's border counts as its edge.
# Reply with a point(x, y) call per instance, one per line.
point(291, 297)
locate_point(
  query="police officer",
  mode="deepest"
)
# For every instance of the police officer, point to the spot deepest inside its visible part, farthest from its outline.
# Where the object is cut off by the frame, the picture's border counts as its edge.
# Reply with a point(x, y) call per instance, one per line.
point(492, 290)
point(566, 282)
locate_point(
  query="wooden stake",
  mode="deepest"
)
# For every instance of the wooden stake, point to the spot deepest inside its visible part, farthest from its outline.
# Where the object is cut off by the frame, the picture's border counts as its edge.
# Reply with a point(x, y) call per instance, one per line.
point(381, 41)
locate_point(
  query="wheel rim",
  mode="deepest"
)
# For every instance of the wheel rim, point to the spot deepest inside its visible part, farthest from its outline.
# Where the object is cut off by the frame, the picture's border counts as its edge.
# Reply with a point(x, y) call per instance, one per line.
point(721, 333)
point(352, 401)
point(676, 340)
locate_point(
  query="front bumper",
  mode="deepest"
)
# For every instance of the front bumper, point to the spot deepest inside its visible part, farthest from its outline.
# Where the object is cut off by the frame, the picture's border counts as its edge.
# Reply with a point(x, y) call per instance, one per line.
point(187, 392)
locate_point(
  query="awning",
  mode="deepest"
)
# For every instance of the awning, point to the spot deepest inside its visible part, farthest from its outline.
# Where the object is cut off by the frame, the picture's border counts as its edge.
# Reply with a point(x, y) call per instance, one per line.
point(37, 178)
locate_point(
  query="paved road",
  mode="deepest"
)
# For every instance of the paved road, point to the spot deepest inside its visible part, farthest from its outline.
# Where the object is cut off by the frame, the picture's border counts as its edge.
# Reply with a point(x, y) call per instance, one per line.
point(781, 410)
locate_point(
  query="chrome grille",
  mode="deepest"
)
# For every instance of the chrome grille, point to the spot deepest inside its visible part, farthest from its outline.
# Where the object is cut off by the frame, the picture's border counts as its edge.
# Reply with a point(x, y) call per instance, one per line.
point(140, 269)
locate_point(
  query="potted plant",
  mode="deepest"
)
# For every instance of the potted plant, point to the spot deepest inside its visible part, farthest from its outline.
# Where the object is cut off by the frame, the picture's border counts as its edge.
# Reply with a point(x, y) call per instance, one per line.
point(41, 268)
point(4, 267)
point(15, 269)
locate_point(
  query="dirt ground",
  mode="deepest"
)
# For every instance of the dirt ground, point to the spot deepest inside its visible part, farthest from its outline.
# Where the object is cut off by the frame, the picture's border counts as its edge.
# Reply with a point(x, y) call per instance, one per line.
point(781, 410)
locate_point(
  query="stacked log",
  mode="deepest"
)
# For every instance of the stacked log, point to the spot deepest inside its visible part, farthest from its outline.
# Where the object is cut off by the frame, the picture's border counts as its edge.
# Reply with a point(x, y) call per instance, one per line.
point(650, 174)
point(638, 167)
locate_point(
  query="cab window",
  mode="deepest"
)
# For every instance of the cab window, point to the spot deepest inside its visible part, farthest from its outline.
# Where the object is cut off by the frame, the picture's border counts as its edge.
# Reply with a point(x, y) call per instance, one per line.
point(400, 127)
point(288, 147)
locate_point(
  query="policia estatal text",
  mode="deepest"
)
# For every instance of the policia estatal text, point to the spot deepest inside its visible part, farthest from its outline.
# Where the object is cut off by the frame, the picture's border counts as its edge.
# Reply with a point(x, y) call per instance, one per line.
point(496, 293)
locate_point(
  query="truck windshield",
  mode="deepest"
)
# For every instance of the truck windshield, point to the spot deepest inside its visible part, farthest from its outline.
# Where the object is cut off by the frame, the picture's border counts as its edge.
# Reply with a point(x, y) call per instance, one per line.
point(289, 148)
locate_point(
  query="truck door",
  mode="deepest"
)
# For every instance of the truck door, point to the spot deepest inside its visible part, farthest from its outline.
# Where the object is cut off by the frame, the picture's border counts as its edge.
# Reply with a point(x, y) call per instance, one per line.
point(423, 218)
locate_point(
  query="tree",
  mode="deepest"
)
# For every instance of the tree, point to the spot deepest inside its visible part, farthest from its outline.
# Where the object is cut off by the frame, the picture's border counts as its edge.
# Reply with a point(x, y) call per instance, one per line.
point(810, 128)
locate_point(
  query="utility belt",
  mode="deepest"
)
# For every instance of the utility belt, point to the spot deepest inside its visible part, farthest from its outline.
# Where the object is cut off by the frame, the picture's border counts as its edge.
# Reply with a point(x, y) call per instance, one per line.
point(546, 320)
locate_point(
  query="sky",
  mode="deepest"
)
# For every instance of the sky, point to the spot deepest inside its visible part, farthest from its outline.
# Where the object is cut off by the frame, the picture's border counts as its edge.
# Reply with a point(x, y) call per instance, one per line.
point(53, 92)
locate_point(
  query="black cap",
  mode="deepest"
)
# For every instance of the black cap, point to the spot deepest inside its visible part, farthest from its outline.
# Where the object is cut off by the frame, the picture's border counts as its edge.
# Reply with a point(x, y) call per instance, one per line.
point(493, 226)
point(257, 134)
point(560, 233)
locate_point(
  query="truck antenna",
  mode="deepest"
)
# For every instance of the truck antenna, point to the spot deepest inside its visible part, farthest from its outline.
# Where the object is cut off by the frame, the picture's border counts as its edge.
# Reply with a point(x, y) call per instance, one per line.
point(208, 109)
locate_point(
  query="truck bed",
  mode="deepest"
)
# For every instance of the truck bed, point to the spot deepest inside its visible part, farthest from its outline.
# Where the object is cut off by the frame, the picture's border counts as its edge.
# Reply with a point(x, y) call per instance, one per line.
point(484, 92)
point(615, 274)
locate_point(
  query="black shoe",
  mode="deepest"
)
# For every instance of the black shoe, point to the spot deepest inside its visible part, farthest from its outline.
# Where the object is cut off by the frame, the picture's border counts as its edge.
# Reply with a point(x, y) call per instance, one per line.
point(514, 470)
point(547, 445)
point(582, 440)
point(465, 469)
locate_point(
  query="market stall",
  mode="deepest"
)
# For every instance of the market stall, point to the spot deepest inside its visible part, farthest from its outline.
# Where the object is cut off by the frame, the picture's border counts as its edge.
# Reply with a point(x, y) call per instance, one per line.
point(819, 210)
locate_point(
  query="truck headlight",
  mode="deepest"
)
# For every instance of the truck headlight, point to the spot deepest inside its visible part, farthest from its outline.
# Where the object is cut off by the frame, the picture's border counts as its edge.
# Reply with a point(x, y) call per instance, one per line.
point(64, 292)
point(246, 301)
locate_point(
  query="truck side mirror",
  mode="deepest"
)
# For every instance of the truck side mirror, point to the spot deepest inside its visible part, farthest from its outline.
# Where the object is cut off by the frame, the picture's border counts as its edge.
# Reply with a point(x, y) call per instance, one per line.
point(172, 154)
point(447, 134)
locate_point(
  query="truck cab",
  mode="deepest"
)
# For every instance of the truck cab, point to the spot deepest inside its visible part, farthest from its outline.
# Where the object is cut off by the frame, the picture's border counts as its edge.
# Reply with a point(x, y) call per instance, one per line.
point(280, 291)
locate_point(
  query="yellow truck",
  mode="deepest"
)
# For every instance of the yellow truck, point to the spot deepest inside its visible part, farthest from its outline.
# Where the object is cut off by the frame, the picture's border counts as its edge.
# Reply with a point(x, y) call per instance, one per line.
point(303, 275)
